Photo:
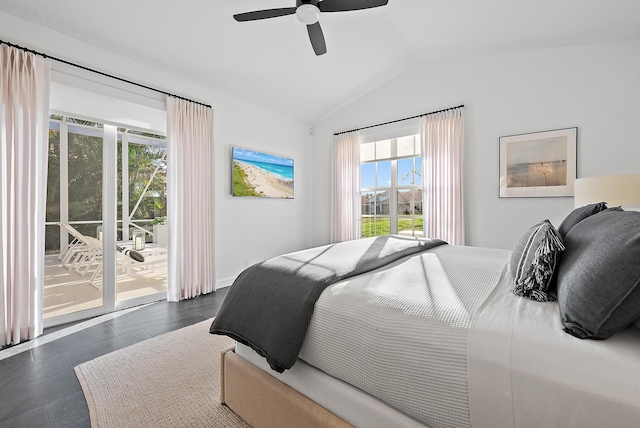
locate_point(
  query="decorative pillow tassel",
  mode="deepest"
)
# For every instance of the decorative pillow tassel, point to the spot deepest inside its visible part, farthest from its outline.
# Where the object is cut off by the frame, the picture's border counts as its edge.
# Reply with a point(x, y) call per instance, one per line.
point(536, 282)
point(544, 263)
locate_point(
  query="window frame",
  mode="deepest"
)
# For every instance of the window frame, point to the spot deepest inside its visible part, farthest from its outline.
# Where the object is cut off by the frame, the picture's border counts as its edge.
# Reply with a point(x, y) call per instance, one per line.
point(394, 187)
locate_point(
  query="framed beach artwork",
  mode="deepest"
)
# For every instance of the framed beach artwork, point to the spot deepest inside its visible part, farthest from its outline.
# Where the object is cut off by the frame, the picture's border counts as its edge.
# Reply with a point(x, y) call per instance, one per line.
point(261, 174)
point(538, 164)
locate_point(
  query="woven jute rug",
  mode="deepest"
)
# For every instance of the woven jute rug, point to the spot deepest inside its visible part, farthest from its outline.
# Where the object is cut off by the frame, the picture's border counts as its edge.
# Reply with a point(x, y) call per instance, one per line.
point(172, 380)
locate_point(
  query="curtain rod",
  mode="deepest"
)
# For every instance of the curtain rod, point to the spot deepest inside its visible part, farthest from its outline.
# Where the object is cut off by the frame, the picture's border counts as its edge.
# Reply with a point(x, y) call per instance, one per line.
point(399, 120)
point(2, 42)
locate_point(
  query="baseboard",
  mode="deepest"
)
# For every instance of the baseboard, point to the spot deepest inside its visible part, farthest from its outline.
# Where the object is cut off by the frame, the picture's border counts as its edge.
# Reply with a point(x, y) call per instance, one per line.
point(225, 282)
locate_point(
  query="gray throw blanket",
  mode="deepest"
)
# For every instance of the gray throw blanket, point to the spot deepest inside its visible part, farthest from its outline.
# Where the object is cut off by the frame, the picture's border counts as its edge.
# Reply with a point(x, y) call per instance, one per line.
point(269, 306)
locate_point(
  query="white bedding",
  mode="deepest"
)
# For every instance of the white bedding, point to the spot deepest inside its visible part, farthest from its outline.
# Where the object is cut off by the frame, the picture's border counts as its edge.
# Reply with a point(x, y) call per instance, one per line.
point(451, 346)
point(524, 371)
point(400, 333)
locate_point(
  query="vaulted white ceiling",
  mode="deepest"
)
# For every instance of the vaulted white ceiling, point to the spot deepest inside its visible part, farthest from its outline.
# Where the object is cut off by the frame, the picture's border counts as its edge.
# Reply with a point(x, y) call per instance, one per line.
point(271, 62)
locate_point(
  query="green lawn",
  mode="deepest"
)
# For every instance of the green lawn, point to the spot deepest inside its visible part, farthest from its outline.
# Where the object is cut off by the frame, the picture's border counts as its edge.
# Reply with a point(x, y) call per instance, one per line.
point(381, 226)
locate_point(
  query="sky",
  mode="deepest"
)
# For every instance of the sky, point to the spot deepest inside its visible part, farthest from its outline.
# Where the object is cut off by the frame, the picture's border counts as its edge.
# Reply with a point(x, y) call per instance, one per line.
point(540, 150)
point(253, 156)
point(405, 168)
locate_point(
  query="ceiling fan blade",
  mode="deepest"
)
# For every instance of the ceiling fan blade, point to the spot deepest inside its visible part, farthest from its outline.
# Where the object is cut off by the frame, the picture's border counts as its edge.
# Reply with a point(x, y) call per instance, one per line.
point(264, 14)
point(346, 5)
point(317, 38)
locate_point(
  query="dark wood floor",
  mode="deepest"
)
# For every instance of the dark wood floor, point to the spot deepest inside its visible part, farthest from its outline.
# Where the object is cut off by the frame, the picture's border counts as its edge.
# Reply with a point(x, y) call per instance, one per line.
point(38, 387)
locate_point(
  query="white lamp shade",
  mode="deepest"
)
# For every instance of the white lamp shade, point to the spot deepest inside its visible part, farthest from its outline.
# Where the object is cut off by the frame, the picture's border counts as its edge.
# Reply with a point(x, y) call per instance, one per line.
point(616, 190)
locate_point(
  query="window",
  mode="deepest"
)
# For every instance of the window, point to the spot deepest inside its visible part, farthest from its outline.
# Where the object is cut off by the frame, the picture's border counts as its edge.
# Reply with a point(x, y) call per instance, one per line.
point(391, 187)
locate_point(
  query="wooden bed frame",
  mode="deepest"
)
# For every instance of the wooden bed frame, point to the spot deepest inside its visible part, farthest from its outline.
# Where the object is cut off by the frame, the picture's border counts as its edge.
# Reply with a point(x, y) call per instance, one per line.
point(265, 402)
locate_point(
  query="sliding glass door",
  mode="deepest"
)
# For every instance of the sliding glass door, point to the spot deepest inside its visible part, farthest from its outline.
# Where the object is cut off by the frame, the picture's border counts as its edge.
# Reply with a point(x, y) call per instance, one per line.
point(106, 187)
point(74, 211)
point(142, 241)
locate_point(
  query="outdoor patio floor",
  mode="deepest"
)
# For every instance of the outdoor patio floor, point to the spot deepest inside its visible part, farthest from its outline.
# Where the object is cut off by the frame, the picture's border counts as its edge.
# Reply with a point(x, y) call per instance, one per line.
point(66, 291)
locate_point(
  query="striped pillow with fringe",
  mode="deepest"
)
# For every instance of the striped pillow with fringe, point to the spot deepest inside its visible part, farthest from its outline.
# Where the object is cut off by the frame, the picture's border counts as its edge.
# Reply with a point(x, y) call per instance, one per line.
point(534, 260)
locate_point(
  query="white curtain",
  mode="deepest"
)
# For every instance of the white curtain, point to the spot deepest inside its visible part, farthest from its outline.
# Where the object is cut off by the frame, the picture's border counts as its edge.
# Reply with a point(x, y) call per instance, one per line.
point(442, 168)
point(190, 202)
point(346, 187)
point(24, 112)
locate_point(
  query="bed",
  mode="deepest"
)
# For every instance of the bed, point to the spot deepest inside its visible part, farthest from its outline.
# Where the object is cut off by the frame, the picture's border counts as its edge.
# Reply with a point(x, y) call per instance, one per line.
point(443, 338)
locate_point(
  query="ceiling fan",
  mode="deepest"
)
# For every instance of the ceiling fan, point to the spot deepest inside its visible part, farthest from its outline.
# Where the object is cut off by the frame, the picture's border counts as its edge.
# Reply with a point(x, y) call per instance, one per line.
point(308, 12)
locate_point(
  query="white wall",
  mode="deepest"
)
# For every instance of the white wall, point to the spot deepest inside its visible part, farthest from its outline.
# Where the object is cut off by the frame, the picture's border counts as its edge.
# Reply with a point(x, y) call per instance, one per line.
point(595, 88)
point(246, 228)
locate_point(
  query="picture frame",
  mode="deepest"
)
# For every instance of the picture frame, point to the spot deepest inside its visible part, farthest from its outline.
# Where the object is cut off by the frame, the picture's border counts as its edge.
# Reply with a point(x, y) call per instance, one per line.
point(538, 164)
point(260, 174)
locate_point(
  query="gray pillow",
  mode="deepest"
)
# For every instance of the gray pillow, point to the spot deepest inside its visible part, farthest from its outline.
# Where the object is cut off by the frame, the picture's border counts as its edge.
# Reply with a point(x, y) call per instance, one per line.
point(599, 276)
point(579, 214)
point(533, 262)
point(135, 255)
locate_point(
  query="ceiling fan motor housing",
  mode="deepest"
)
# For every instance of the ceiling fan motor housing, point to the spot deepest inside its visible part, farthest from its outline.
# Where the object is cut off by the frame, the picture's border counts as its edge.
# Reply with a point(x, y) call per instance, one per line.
point(307, 12)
